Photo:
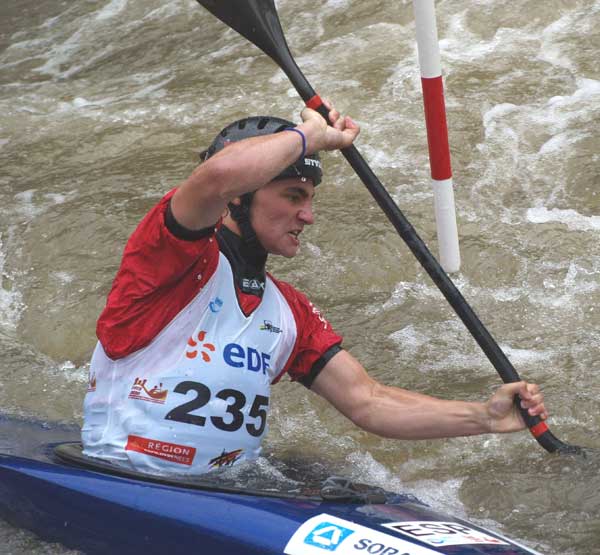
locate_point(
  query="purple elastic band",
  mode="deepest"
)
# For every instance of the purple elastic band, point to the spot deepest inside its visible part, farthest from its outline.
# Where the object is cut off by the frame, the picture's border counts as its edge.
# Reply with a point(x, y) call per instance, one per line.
point(303, 139)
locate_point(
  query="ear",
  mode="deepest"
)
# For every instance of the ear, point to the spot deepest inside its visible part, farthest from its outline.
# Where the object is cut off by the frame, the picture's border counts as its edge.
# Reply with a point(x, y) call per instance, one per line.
point(237, 201)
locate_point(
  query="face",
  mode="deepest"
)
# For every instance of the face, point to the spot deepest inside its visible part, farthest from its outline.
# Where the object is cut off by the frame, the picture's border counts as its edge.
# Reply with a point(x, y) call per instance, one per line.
point(279, 212)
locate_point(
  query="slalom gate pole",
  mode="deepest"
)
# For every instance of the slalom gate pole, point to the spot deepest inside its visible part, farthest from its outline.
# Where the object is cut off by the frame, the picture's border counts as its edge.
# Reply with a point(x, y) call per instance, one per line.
point(437, 134)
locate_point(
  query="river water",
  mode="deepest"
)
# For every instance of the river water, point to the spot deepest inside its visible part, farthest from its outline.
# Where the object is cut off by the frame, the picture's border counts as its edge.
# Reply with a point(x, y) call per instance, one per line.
point(104, 105)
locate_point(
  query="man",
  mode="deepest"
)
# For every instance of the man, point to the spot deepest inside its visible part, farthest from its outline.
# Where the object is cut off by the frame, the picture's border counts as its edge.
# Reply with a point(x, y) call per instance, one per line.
point(195, 332)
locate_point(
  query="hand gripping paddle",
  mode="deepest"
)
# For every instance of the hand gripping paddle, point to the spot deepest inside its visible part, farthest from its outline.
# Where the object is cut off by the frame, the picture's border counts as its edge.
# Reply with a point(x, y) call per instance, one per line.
point(258, 21)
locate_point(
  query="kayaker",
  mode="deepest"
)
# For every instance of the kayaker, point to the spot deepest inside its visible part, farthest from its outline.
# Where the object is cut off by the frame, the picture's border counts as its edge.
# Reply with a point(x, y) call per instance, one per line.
point(193, 314)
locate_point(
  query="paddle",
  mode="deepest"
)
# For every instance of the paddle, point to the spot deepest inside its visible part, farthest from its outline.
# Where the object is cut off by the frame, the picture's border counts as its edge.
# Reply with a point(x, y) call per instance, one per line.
point(258, 21)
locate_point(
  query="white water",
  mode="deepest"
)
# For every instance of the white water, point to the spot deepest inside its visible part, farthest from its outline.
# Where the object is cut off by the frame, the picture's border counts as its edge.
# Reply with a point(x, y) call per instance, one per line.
point(105, 105)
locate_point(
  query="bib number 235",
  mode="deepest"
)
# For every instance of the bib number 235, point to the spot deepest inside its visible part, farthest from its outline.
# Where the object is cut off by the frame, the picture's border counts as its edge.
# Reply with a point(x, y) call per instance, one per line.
point(234, 409)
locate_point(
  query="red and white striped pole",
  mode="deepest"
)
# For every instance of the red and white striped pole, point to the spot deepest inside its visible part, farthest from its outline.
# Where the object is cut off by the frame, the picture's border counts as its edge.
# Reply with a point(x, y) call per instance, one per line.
point(437, 133)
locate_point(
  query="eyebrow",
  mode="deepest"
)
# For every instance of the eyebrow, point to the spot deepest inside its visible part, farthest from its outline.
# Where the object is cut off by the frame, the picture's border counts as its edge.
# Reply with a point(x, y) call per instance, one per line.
point(300, 191)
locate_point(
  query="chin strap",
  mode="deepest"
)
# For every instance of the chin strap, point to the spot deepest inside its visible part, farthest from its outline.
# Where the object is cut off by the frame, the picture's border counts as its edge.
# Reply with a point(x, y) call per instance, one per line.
point(241, 214)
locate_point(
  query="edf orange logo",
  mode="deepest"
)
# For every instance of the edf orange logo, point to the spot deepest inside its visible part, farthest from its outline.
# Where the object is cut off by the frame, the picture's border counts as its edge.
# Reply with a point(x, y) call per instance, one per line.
point(195, 346)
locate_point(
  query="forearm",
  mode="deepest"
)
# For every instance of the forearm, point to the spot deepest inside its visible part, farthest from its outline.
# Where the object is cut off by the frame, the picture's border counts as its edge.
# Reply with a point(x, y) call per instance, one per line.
point(394, 412)
point(397, 413)
point(400, 414)
point(247, 165)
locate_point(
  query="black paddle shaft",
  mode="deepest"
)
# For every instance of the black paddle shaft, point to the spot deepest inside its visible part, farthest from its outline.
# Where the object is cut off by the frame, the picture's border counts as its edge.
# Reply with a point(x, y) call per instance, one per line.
point(257, 20)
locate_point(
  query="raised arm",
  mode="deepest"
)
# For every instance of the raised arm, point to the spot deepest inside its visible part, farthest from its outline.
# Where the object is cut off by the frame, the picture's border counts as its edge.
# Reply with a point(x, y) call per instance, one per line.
point(247, 165)
point(401, 414)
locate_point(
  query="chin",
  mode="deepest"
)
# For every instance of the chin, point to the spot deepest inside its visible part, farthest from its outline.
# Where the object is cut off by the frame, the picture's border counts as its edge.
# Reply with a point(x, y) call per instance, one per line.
point(286, 253)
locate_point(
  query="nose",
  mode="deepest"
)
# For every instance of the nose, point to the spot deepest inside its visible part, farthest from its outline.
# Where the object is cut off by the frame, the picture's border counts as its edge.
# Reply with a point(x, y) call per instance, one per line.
point(306, 214)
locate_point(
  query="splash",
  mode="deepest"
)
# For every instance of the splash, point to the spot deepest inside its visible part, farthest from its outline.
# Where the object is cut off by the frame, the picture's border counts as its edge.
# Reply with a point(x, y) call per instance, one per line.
point(571, 218)
point(10, 298)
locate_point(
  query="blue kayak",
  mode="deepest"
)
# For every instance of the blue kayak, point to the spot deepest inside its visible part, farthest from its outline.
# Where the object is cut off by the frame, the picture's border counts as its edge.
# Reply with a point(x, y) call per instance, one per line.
point(50, 488)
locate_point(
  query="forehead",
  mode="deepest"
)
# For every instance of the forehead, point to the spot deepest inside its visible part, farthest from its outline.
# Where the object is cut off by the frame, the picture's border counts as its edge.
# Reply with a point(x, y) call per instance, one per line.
point(290, 184)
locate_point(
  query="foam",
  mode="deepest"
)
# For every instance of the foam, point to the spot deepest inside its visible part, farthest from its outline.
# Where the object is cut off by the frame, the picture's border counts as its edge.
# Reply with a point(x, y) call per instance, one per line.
point(64, 53)
point(444, 496)
point(497, 112)
point(362, 467)
point(587, 89)
point(508, 294)
point(571, 218)
point(163, 12)
point(559, 143)
point(313, 249)
point(410, 339)
point(522, 357)
point(72, 373)
point(79, 102)
point(112, 9)
point(26, 205)
point(51, 22)
point(337, 4)
point(574, 284)
point(30, 209)
point(563, 114)
point(401, 292)
point(11, 302)
point(64, 277)
point(551, 52)
point(461, 45)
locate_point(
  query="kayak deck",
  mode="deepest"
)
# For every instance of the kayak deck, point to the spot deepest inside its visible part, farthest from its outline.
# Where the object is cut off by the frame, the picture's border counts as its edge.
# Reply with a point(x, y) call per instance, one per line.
point(332, 489)
point(83, 506)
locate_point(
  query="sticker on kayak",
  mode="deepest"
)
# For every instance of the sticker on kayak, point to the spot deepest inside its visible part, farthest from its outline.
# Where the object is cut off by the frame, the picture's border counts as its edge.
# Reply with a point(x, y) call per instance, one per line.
point(325, 534)
point(442, 534)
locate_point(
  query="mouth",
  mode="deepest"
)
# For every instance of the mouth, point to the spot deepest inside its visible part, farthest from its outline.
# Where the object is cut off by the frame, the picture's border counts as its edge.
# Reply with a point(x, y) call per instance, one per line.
point(295, 235)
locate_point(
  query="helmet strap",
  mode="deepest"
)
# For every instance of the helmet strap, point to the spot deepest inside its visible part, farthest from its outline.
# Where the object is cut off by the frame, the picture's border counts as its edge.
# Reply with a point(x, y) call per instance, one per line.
point(241, 215)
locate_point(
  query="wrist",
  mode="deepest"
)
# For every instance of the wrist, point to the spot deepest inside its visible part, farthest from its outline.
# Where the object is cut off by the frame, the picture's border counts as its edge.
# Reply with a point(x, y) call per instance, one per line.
point(311, 131)
point(302, 136)
point(483, 420)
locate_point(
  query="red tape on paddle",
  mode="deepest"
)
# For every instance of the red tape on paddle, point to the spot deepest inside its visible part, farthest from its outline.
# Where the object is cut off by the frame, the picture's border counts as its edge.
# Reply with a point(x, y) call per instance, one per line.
point(314, 103)
point(539, 429)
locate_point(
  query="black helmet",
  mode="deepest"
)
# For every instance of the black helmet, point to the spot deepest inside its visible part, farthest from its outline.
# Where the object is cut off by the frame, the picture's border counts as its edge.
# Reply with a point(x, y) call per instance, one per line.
point(309, 166)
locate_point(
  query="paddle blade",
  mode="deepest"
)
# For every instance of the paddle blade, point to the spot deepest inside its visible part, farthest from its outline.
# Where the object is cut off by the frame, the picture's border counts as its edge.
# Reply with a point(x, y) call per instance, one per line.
point(257, 21)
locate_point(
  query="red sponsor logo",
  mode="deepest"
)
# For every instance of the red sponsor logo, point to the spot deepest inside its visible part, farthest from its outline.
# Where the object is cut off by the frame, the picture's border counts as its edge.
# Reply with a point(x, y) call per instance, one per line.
point(318, 314)
point(171, 452)
point(198, 345)
point(92, 383)
point(225, 459)
point(154, 395)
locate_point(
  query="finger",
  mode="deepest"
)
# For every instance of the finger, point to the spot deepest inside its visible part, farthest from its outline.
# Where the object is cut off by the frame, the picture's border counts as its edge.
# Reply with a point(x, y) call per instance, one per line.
point(514, 388)
point(527, 390)
point(535, 399)
point(336, 121)
point(534, 405)
point(351, 124)
point(533, 388)
point(534, 408)
point(538, 410)
point(333, 114)
point(308, 113)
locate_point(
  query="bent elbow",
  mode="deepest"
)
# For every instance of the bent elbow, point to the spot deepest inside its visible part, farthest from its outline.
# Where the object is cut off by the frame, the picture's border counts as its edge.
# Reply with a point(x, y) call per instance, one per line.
point(364, 412)
point(217, 177)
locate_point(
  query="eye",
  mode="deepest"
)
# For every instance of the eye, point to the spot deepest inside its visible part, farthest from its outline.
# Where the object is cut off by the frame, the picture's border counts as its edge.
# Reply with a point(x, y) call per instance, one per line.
point(295, 198)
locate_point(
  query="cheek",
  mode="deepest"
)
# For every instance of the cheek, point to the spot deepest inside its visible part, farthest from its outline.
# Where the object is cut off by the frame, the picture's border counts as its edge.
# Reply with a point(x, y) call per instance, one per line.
point(272, 217)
